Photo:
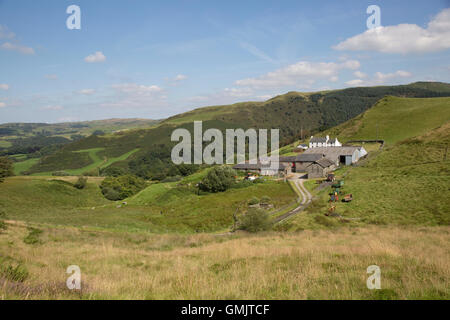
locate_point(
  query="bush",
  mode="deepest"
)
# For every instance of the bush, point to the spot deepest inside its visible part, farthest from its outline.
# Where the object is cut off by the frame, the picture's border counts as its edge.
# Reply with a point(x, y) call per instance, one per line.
point(60, 174)
point(6, 168)
point(81, 183)
point(172, 179)
point(327, 222)
point(255, 220)
point(218, 179)
point(119, 188)
point(33, 236)
point(17, 273)
point(92, 173)
point(112, 172)
point(265, 200)
point(253, 201)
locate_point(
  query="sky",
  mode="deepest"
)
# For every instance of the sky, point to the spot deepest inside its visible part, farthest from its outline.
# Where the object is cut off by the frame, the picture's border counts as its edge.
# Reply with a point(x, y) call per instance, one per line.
point(154, 59)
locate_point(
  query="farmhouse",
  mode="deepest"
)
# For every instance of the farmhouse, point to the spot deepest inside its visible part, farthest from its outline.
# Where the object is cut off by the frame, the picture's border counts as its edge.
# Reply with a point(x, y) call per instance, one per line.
point(317, 142)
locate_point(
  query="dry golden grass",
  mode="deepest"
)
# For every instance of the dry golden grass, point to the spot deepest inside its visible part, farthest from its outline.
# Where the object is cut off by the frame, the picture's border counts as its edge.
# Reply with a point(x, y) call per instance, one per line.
point(414, 264)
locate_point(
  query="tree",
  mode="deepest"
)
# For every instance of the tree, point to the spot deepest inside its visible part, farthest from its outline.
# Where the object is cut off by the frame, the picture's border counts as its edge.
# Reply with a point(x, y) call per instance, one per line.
point(255, 220)
point(218, 179)
point(119, 188)
point(6, 168)
point(81, 183)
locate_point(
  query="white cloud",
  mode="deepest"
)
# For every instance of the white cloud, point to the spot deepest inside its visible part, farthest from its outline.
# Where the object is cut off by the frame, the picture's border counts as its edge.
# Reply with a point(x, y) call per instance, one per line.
point(53, 107)
point(4, 86)
point(51, 76)
point(359, 74)
point(334, 79)
point(265, 97)
point(96, 57)
point(87, 92)
point(387, 76)
point(355, 83)
point(301, 74)
point(5, 33)
point(256, 52)
point(17, 47)
point(180, 77)
point(403, 38)
point(380, 78)
point(136, 88)
point(2, 104)
point(132, 95)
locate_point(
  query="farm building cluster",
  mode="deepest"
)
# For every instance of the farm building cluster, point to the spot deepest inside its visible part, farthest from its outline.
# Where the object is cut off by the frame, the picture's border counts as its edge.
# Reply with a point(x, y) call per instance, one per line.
point(317, 160)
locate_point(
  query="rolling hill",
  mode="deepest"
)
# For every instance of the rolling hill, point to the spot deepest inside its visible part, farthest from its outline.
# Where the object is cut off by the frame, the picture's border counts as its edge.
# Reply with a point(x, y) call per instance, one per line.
point(293, 113)
point(407, 182)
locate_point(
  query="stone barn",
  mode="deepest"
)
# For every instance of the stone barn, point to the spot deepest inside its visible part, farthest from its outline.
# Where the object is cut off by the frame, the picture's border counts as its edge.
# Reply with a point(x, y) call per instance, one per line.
point(320, 168)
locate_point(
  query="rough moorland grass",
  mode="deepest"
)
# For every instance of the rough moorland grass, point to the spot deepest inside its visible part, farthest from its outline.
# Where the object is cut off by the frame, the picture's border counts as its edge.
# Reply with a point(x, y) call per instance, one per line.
point(163, 207)
point(307, 265)
point(394, 119)
point(406, 183)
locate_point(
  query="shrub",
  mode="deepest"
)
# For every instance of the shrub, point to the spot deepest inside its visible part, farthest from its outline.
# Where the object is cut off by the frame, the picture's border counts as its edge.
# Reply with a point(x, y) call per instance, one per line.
point(265, 200)
point(81, 183)
point(327, 222)
point(172, 179)
point(6, 168)
point(17, 273)
point(111, 194)
point(119, 188)
point(60, 174)
point(255, 220)
point(92, 173)
point(33, 236)
point(253, 201)
point(112, 172)
point(2, 225)
point(218, 179)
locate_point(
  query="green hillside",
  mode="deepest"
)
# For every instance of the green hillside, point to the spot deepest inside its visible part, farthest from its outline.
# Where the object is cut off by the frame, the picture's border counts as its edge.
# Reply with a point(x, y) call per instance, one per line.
point(394, 119)
point(161, 207)
point(290, 113)
point(407, 182)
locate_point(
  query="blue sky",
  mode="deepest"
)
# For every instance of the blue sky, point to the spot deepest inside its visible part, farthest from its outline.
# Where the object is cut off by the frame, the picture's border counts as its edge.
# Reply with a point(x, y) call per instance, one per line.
point(153, 59)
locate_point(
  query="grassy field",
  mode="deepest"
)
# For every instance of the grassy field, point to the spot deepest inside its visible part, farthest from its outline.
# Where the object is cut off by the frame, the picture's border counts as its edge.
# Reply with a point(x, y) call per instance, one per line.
point(22, 166)
point(306, 265)
point(394, 119)
point(163, 207)
point(405, 183)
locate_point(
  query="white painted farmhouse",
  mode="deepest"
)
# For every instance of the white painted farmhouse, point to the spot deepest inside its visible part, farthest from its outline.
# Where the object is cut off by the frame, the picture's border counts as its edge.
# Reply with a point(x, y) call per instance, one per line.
point(316, 142)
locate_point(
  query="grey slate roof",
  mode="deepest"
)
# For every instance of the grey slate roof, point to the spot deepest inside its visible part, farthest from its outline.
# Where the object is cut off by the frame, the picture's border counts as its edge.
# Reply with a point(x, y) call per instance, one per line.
point(325, 162)
point(333, 153)
point(309, 157)
point(318, 139)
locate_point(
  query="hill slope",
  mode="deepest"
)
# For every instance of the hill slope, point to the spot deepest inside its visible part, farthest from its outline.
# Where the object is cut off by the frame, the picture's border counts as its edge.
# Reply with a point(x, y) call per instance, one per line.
point(407, 182)
point(394, 119)
point(290, 113)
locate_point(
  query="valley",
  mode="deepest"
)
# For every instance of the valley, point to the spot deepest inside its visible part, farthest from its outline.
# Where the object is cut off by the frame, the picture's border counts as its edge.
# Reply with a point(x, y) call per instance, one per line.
point(174, 239)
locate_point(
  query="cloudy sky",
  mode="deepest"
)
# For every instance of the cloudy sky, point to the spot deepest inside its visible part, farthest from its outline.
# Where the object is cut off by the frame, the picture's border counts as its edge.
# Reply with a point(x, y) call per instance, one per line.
point(153, 59)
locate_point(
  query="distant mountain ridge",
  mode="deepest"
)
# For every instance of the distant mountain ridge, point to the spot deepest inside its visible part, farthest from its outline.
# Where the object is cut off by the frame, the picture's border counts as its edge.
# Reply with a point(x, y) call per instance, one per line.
point(293, 113)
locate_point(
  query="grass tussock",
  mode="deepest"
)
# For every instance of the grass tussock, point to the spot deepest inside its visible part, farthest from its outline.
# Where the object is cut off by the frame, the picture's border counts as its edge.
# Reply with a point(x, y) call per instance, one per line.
point(317, 264)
